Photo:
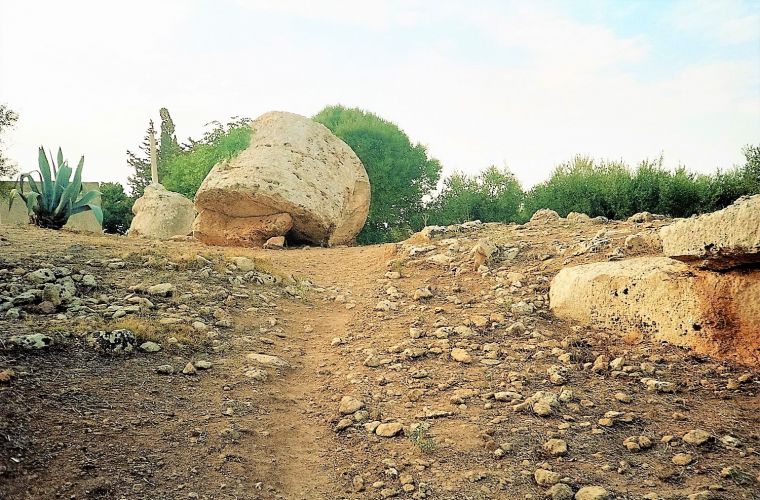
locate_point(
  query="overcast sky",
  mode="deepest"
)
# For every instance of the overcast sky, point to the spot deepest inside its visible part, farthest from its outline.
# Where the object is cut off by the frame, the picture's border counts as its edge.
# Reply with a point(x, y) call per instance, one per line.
point(525, 84)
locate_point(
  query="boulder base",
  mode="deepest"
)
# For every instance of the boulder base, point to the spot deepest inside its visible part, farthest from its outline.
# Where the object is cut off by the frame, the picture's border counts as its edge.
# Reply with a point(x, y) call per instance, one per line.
point(717, 314)
point(293, 167)
point(718, 240)
point(162, 214)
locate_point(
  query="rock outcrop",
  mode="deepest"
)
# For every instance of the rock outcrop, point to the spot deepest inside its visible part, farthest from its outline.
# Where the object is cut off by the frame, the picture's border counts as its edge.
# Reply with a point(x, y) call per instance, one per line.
point(295, 178)
point(713, 313)
point(162, 214)
point(719, 240)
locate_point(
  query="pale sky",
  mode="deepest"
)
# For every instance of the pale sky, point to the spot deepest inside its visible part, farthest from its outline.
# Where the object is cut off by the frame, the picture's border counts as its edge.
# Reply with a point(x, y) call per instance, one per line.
point(525, 84)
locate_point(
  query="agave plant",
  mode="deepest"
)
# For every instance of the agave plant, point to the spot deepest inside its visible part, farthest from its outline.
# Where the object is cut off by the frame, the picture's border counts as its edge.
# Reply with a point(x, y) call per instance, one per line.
point(52, 199)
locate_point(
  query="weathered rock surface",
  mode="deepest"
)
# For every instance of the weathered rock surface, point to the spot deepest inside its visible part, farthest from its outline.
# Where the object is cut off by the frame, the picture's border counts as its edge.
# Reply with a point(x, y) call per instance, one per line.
point(719, 240)
point(296, 177)
point(162, 214)
point(713, 313)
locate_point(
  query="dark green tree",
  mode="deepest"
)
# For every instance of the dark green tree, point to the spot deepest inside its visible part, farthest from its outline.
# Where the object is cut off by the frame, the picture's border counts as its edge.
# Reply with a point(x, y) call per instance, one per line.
point(8, 118)
point(139, 162)
point(400, 173)
point(117, 208)
point(168, 146)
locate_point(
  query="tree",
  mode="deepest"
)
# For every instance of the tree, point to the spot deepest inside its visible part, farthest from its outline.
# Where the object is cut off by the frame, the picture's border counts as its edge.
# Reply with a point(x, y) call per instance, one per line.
point(117, 208)
point(184, 171)
point(8, 118)
point(494, 195)
point(400, 173)
point(140, 163)
point(167, 144)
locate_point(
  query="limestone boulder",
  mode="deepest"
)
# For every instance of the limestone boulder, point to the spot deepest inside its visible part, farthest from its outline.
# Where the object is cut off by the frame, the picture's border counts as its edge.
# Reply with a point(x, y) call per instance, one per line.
point(718, 240)
point(295, 178)
point(717, 314)
point(162, 214)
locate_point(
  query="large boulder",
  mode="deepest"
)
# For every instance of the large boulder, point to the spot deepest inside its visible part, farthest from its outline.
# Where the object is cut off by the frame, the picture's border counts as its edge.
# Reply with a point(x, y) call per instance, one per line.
point(713, 313)
point(161, 214)
point(296, 177)
point(719, 240)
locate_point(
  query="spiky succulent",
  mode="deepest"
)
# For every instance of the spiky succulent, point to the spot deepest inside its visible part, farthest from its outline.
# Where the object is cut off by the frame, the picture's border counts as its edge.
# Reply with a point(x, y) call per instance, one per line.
point(52, 199)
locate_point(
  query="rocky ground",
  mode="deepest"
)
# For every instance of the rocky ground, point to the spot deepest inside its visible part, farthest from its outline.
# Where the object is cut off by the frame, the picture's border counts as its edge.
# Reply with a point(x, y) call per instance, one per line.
point(371, 372)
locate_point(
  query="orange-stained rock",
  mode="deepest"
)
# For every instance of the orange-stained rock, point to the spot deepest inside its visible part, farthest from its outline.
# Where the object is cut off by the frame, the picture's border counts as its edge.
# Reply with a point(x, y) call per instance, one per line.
point(717, 314)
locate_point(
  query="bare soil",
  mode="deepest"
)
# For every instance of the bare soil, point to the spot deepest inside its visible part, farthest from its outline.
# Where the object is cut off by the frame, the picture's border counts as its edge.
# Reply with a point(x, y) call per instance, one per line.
point(79, 424)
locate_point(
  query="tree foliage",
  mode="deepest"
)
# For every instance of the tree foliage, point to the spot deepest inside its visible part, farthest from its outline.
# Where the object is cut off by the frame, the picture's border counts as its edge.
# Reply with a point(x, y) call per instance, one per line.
point(494, 195)
point(613, 190)
point(8, 118)
point(139, 162)
point(117, 208)
point(184, 172)
point(401, 174)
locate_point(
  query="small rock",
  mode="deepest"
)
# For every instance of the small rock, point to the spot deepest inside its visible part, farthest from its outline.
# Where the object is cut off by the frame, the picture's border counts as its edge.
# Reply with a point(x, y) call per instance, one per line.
point(682, 458)
point(560, 491)
point(150, 346)
point(556, 447)
point(389, 430)
point(189, 369)
point(165, 369)
point(696, 437)
point(162, 290)
point(592, 493)
point(349, 405)
point(461, 355)
point(545, 477)
point(203, 364)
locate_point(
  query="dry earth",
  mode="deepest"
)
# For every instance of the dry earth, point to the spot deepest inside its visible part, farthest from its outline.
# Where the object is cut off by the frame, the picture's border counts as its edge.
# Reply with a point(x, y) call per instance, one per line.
point(373, 324)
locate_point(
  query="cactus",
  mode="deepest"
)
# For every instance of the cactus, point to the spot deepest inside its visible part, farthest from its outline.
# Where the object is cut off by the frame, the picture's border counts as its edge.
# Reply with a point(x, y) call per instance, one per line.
point(52, 199)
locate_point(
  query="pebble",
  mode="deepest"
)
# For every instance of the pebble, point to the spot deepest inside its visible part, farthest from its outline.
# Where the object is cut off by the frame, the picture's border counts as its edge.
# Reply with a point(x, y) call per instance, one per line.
point(389, 430)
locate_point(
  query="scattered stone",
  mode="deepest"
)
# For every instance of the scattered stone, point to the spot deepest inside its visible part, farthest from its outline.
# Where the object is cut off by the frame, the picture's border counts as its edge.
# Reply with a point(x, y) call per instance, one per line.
point(189, 369)
point(165, 369)
point(6, 375)
point(592, 493)
point(32, 341)
point(275, 243)
point(349, 405)
point(461, 355)
point(556, 447)
point(545, 477)
point(150, 346)
point(116, 341)
point(560, 491)
point(389, 430)
point(697, 437)
point(162, 290)
point(268, 360)
point(203, 364)
point(682, 458)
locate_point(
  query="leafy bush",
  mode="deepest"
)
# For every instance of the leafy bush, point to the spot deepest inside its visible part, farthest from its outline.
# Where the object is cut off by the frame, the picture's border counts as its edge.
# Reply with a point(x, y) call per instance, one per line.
point(400, 173)
point(52, 199)
point(117, 208)
point(184, 171)
point(492, 196)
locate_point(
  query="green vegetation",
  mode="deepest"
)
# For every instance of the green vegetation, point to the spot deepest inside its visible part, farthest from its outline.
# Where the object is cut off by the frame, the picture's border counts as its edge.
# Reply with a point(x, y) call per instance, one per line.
point(185, 171)
point(117, 208)
point(52, 199)
point(493, 195)
point(401, 174)
point(8, 118)
point(613, 190)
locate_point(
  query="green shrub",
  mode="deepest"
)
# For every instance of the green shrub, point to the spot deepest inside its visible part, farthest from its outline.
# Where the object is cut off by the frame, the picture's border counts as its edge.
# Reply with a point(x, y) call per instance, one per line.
point(400, 173)
point(117, 208)
point(494, 195)
point(184, 171)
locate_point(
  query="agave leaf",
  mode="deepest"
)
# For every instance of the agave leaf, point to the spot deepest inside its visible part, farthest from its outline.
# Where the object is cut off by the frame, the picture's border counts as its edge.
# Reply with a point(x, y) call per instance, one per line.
point(47, 184)
point(27, 177)
point(86, 199)
point(71, 192)
point(61, 182)
point(60, 157)
point(12, 196)
point(89, 206)
point(31, 202)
